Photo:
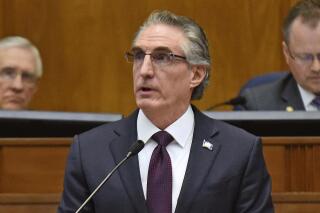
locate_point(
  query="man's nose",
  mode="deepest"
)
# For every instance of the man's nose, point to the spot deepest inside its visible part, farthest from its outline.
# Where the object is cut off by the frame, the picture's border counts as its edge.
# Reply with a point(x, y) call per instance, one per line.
point(146, 68)
point(315, 66)
point(17, 83)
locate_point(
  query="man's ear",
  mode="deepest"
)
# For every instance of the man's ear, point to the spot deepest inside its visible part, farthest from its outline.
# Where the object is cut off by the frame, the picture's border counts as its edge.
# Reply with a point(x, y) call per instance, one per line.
point(198, 75)
point(34, 90)
point(285, 51)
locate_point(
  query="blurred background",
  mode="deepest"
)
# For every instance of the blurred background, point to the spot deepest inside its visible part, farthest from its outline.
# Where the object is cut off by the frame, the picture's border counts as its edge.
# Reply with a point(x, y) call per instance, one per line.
point(82, 43)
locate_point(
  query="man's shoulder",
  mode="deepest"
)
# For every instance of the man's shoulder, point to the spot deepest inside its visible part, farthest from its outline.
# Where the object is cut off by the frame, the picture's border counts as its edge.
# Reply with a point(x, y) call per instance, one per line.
point(227, 136)
point(268, 88)
point(234, 133)
point(222, 128)
point(269, 96)
point(112, 129)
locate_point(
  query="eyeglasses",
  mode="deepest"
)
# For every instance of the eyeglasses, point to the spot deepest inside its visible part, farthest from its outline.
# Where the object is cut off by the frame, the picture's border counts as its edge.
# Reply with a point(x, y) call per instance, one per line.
point(158, 57)
point(10, 74)
point(305, 59)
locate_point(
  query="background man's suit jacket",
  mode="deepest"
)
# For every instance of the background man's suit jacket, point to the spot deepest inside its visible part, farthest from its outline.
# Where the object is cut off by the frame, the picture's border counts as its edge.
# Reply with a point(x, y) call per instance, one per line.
point(230, 178)
point(277, 95)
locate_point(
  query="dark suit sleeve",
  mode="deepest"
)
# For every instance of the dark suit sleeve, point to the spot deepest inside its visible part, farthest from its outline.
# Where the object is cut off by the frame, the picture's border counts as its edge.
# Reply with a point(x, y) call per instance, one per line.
point(255, 189)
point(75, 187)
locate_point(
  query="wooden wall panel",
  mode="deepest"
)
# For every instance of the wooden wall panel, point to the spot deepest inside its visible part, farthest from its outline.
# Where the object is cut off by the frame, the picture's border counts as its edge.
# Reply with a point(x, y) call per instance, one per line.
point(293, 162)
point(1, 19)
point(296, 202)
point(82, 44)
point(29, 203)
point(33, 165)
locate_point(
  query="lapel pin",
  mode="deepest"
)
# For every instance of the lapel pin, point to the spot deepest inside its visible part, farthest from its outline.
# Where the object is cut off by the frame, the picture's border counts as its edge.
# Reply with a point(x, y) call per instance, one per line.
point(289, 109)
point(207, 144)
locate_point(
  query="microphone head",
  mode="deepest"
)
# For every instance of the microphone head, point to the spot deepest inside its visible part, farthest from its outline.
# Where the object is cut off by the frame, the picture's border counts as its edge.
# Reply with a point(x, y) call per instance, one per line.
point(240, 100)
point(135, 148)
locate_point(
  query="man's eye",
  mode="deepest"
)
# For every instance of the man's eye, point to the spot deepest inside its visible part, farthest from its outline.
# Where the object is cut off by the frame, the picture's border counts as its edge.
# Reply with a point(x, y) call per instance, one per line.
point(28, 76)
point(161, 56)
point(139, 55)
point(306, 57)
point(8, 71)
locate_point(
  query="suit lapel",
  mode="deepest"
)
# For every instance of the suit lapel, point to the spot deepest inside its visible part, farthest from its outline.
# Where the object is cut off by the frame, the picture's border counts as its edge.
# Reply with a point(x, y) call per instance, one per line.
point(291, 94)
point(129, 172)
point(200, 161)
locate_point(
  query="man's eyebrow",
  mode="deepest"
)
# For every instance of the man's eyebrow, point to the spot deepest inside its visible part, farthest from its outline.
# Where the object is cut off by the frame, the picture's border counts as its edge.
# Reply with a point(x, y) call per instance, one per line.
point(134, 49)
point(160, 48)
point(8, 68)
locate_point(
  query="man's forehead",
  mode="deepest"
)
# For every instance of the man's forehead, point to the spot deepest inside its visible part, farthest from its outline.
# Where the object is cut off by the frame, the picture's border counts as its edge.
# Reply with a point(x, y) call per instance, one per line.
point(303, 34)
point(17, 57)
point(160, 36)
point(16, 52)
point(300, 27)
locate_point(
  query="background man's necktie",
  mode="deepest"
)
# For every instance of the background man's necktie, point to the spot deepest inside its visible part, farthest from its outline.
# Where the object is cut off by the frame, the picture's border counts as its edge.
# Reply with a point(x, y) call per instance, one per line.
point(159, 185)
point(316, 102)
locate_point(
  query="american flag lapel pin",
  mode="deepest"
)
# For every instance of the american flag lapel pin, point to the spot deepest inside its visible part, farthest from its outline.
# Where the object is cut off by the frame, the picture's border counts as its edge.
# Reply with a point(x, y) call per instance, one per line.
point(206, 144)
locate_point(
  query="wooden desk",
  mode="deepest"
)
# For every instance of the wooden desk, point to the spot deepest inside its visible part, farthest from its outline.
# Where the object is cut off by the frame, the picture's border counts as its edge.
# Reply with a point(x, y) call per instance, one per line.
point(32, 168)
point(32, 172)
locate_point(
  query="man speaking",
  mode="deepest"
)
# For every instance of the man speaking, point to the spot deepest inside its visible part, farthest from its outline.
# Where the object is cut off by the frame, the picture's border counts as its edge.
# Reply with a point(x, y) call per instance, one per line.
point(190, 162)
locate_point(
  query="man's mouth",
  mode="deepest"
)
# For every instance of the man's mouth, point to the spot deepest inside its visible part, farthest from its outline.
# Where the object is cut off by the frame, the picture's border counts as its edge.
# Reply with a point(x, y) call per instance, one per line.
point(14, 99)
point(145, 89)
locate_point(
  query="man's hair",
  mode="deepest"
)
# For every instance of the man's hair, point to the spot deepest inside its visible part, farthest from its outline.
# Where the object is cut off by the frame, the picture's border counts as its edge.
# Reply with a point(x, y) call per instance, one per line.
point(308, 10)
point(196, 49)
point(20, 42)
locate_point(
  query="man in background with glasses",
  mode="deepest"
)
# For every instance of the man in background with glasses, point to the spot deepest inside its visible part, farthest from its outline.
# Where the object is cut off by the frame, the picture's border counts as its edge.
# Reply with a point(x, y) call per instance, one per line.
point(300, 89)
point(20, 69)
point(190, 162)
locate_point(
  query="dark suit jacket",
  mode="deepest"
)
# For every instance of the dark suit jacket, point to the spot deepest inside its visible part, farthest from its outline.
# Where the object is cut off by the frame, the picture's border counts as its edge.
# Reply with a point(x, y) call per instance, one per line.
point(230, 178)
point(277, 95)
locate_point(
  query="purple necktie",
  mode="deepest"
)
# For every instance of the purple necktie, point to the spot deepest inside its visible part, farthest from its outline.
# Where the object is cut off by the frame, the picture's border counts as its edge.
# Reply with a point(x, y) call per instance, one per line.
point(159, 186)
point(316, 102)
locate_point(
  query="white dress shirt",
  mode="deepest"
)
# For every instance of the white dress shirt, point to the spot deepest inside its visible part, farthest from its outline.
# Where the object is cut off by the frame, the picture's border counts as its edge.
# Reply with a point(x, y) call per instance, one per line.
point(307, 98)
point(182, 132)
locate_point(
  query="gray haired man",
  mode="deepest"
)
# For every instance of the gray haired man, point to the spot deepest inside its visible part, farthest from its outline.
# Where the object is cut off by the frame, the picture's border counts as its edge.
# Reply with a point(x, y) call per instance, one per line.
point(20, 69)
point(190, 162)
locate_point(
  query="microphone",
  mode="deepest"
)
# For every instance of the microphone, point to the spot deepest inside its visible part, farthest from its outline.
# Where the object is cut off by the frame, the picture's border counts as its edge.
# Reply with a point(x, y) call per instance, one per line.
point(134, 149)
point(239, 100)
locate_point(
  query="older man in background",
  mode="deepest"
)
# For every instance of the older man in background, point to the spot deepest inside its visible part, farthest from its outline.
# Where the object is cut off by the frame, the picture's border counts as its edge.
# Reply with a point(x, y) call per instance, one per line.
point(20, 69)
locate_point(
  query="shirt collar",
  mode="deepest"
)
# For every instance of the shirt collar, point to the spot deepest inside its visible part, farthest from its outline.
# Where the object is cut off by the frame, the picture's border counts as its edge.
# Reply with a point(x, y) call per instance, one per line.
point(179, 130)
point(307, 97)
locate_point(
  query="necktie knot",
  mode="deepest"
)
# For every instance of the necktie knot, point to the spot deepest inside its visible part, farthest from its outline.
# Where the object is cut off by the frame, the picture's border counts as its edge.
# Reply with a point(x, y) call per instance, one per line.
point(316, 102)
point(163, 138)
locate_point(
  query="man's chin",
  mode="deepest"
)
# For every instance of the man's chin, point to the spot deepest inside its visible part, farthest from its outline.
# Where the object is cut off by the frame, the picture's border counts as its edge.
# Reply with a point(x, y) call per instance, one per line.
point(147, 104)
point(315, 89)
point(12, 106)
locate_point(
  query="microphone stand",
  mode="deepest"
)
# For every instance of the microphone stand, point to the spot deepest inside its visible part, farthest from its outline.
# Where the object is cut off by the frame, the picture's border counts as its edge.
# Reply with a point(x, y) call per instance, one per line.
point(239, 100)
point(137, 147)
point(99, 186)
point(215, 106)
